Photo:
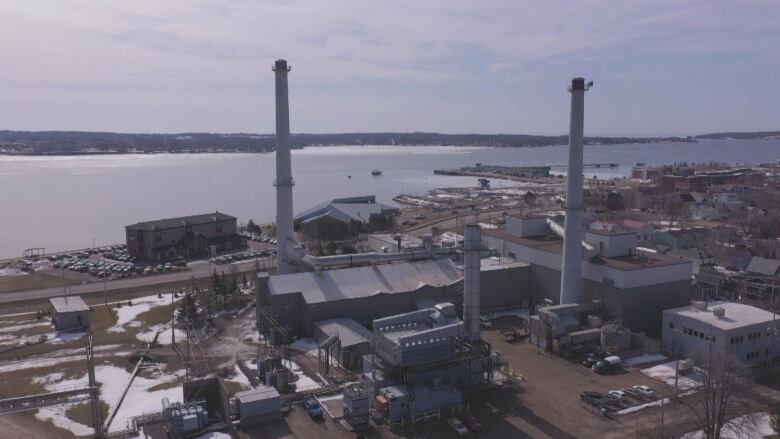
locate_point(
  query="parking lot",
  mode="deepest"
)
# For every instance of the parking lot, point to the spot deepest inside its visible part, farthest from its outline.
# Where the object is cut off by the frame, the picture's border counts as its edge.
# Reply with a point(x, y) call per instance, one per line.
point(548, 403)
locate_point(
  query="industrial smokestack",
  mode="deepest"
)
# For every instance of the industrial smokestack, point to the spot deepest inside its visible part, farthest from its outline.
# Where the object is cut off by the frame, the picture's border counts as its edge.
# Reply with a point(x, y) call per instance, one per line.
point(571, 269)
point(472, 245)
point(284, 180)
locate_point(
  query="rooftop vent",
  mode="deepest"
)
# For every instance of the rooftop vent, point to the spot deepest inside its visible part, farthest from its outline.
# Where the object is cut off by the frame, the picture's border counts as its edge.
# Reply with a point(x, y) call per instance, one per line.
point(719, 311)
point(699, 305)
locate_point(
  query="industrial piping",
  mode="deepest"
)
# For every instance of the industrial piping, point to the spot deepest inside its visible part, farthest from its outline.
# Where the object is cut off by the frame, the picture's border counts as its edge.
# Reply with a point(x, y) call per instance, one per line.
point(589, 250)
point(472, 246)
point(284, 181)
point(571, 269)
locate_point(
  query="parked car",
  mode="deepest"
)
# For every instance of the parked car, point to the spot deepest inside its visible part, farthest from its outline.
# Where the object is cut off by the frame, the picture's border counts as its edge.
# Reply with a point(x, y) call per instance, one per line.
point(473, 423)
point(485, 322)
point(643, 390)
point(618, 394)
point(313, 408)
point(458, 426)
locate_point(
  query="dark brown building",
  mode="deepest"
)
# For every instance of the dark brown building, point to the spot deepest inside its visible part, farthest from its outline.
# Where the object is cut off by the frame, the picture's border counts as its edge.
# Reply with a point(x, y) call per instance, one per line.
point(187, 236)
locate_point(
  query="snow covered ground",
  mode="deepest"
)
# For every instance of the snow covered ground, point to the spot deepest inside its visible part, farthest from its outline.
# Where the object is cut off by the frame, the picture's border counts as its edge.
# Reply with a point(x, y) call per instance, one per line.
point(139, 398)
point(665, 372)
point(303, 382)
point(751, 426)
point(644, 359)
point(165, 338)
point(127, 314)
point(305, 345)
point(58, 357)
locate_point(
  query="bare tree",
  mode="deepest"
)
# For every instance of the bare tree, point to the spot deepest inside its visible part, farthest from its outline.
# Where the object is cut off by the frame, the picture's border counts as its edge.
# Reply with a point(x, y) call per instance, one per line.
point(716, 401)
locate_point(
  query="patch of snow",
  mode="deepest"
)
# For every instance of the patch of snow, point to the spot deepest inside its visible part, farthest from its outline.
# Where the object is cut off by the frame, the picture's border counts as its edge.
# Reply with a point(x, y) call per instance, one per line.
point(214, 435)
point(240, 378)
point(127, 314)
point(303, 382)
point(27, 324)
point(165, 338)
point(750, 426)
point(644, 359)
point(58, 357)
point(305, 345)
point(139, 398)
point(665, 372)
point(655, 403)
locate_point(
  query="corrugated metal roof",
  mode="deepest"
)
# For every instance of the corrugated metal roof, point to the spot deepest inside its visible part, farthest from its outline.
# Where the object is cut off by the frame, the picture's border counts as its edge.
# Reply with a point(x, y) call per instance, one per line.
point(73, 304)
point(349, 331)
point(759, 265)
point(345, 209)
point(351, 283)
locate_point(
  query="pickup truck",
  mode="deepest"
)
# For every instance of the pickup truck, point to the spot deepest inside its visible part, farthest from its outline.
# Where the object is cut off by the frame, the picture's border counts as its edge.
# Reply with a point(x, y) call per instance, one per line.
point(606, 365)
point(313, 408)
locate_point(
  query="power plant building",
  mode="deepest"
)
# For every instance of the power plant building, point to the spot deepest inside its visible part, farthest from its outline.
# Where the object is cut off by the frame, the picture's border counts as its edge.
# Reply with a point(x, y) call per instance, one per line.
point(633, 286)
point(361, 293)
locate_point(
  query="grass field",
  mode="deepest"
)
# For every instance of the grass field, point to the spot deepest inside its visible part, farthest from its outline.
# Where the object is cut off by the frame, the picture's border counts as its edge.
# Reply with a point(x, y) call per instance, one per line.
point(33, 281)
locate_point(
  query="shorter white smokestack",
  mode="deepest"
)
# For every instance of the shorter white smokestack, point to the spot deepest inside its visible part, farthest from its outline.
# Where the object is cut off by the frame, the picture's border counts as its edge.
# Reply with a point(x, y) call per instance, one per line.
point(472, 246)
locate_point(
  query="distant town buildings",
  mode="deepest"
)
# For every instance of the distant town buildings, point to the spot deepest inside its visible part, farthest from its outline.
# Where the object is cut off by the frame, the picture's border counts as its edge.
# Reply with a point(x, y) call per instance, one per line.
point(187, 236)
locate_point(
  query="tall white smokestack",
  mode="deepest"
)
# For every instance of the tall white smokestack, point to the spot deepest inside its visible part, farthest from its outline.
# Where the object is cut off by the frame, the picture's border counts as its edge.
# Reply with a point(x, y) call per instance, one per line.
point(284, 180)
point(472, 246)
point(571, 270)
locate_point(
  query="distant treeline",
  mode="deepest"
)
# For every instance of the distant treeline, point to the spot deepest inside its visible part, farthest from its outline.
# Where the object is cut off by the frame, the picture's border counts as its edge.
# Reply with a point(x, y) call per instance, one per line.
point(742, 135)
point(76, 142)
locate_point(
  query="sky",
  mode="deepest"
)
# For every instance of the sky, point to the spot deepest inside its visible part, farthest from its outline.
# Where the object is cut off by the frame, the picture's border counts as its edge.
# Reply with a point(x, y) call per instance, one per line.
point(673, 67)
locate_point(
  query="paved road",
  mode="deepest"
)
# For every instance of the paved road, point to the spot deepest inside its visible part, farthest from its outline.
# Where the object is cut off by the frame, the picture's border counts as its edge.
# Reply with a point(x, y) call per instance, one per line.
point(198, 270)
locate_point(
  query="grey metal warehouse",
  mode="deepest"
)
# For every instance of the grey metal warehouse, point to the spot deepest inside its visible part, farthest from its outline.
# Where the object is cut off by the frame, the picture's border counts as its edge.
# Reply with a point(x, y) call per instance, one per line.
point(367, 293)
point(361, 293)
point(70, 313)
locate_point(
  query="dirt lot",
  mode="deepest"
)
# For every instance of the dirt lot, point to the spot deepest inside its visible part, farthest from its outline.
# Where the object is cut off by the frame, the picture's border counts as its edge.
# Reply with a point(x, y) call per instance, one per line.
point(34, 281)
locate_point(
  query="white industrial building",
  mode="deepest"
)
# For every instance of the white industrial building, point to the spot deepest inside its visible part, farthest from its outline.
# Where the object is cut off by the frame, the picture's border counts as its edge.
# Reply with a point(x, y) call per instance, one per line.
point(632, 286)
point(721, 329)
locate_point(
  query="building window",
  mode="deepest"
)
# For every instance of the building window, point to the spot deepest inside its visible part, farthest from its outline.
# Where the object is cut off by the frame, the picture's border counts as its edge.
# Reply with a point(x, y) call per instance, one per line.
point(219, 229)
point(671, 325)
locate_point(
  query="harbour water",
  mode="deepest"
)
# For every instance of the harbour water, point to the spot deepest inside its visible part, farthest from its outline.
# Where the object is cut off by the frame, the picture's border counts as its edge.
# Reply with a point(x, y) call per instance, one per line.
point(64, 203)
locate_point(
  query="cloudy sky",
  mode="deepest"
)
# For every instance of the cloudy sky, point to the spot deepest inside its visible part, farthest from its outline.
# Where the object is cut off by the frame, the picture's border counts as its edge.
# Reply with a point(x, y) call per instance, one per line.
point(659, 67)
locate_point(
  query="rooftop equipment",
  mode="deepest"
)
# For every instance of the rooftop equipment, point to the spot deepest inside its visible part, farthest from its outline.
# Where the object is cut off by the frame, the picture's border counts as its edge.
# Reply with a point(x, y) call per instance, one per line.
point(284, 181)
point(571, 270)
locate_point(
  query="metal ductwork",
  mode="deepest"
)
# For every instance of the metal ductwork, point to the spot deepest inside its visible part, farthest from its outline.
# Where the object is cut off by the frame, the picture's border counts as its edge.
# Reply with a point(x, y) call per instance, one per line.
point(571, 269)
point(589, 251)
point(284, 181)
point(472, 256)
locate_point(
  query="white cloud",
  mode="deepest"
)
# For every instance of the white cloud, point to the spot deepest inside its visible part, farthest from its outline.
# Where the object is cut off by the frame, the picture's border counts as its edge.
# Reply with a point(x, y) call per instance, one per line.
point(92, 54)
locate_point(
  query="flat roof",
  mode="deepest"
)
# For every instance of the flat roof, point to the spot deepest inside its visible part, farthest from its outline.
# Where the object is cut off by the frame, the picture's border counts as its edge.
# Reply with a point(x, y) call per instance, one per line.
point(554, 244)
point(172, 223)
point(358, 282)
point(349, 331)
point(736, 314)
point(261, 393)
point(71, 304)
